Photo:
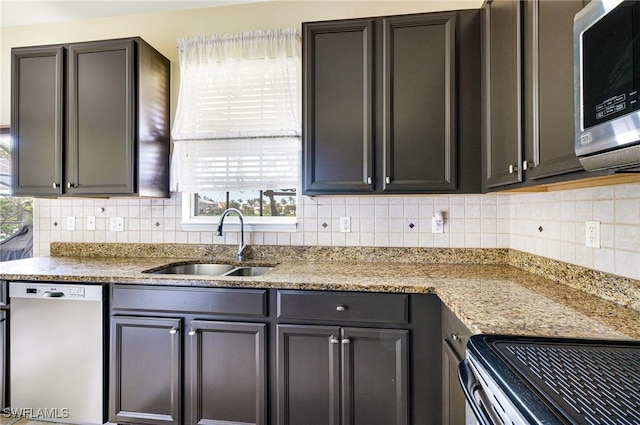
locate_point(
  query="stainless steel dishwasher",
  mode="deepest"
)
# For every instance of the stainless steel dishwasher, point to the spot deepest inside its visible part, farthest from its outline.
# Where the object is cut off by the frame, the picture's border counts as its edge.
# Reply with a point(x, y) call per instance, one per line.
point(56, 345)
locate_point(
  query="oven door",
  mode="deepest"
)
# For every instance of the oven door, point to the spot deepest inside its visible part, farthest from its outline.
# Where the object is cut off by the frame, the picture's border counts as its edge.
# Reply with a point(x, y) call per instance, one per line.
point(476, 395)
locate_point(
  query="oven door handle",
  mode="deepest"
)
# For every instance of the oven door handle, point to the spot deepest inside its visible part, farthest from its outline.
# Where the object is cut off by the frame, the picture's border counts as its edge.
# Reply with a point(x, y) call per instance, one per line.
point(471, 386)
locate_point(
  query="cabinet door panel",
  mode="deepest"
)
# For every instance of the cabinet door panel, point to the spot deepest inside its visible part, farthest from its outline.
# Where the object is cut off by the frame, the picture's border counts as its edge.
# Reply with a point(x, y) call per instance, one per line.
point(102, 89)
point(37, 115)
point(548, 68)
point(308, 375)
point(419, 103)
point(502, 93)
point(145, 377)
point(375, 376)
point(338, 83)
point(228, 373)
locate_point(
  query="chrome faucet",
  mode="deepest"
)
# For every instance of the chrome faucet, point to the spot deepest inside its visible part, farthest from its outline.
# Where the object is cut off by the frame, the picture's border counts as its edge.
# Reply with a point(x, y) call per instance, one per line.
point(242, 247)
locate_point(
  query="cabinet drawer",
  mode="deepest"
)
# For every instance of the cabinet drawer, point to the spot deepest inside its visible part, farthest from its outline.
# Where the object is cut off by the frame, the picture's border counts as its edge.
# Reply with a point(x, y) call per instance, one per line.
point(454, 332)
point(343, 306)
point(209, 301)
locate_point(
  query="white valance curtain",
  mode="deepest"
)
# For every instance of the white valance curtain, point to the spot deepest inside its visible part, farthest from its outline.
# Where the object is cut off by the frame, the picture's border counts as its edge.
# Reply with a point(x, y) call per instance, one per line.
point(237, 124)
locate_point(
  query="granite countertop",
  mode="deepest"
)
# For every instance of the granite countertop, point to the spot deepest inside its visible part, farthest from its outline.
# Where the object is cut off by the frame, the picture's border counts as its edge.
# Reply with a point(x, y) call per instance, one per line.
point(489, 298)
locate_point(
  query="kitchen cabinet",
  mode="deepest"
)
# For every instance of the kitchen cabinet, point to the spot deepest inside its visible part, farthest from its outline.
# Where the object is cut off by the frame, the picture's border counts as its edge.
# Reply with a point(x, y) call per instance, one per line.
point(353, 358)
point(454, 343)
point(528, 132)
point(391, 104)
point(90, 119)
point(220, 379)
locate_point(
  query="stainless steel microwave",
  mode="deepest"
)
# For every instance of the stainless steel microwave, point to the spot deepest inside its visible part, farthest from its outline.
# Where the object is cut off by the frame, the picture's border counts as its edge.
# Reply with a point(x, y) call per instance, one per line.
point(606, 40)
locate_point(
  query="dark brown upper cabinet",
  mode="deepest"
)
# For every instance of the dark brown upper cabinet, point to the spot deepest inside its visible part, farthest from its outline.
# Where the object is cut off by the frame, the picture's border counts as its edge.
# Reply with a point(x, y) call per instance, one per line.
point(528, 132)
point(391, 104)
point(90, 119)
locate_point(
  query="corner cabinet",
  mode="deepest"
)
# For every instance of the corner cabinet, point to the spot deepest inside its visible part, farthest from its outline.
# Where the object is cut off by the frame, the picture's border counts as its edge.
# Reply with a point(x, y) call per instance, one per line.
point(528, 125)
point(385, 103)
point(90, 119)
point(454, 343)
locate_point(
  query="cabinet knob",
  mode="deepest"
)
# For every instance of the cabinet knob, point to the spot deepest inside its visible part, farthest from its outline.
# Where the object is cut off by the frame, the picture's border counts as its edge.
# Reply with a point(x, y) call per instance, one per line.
point(56, 185)
point(387, 180)
point(70, 185)
point(525, 165)
point(334, 340)
point(192, 332)
point(346, 341)
point(513, 168)
point(173, 331)
point(341, 308)
point(455, 337)
point(368, 180)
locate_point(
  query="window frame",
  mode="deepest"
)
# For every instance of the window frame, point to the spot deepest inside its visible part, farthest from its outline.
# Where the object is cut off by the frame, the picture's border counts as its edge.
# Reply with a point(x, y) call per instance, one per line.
point(193, 223)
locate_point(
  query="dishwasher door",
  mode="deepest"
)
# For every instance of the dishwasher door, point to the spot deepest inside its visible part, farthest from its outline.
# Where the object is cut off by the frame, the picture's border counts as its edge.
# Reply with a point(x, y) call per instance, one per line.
point(56, 352)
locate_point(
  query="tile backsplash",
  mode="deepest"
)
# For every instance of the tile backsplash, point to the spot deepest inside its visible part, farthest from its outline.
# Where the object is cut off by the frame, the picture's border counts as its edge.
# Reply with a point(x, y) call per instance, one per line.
point(549, 224)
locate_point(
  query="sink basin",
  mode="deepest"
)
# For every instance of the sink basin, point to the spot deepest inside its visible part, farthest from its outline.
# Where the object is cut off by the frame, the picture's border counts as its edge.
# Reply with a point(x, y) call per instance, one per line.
point(213, 270)
point(197, 269)
point(248, 271)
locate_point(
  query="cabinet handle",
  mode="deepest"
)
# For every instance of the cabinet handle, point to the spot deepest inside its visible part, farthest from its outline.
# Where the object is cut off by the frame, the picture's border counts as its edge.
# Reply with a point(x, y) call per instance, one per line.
point(173, 330)
point(346, 340)
point(192, 332)
point(513, 168)
point(341, 308)
point(56, 185)
point(525, 165)
point(455, 337)
point(70, 185)
point(334, 340)
point(368, 180)
point(387, 180)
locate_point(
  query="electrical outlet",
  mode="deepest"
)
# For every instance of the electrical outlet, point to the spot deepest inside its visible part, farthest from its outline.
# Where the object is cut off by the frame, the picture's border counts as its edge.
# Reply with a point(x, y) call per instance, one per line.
point(117, 224)
point(592, 234)
point(437, 225)
point(71, 223)
point(345, 224)
point(91, 222)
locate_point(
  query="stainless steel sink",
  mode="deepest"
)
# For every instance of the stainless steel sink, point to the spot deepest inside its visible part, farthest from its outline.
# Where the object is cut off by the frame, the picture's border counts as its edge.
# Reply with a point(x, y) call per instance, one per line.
point(248, 271)
point(213, 270)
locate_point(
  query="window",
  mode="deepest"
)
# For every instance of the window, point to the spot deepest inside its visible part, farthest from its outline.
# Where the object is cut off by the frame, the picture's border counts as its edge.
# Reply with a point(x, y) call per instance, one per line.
point(14, 212)
point(237, 127)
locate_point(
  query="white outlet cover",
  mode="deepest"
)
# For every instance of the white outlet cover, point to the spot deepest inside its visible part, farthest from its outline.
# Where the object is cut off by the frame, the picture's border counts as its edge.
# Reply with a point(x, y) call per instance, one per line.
point(345, 224)
point(592, 234)
point(71, 223)
point(117, 224)
point(437, 225)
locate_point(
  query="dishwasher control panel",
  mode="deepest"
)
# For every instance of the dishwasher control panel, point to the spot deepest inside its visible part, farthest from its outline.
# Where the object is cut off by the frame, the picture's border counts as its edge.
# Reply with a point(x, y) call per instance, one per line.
point(48, 290)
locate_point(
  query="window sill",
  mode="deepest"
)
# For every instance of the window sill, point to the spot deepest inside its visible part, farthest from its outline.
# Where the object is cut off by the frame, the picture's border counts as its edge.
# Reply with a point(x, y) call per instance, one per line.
point(232, 224)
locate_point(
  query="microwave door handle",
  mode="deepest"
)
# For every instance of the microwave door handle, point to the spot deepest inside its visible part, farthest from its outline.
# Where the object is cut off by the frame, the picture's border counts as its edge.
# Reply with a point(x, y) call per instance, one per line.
point(472, 387)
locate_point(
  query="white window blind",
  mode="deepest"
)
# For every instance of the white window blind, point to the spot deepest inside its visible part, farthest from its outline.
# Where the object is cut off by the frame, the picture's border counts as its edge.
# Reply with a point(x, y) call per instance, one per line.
point(237, 124)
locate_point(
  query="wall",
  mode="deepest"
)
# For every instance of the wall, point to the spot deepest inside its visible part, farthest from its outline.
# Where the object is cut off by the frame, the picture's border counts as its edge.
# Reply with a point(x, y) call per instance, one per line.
point(472, 221)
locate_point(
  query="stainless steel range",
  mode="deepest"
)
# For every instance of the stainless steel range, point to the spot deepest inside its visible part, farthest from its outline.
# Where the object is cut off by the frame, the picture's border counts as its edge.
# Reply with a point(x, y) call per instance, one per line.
point(531, 380)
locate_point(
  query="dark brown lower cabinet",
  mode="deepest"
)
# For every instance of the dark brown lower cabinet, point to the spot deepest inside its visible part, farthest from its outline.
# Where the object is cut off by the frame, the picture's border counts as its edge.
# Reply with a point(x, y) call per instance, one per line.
point(328, 375)
point(145, 382)
point(228, 373)
point(454, 342)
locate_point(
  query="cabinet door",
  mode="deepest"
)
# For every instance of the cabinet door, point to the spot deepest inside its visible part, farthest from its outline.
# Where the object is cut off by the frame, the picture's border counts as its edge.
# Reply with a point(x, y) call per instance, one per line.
point(37, 120)
point(228, 373)
point(145, 382)
point(338, 105)
point(453, 399)
point(419, 97)
point(102, 110)
point(375, 376)
point(502, 93)
point(549, 115)
point(308, 373)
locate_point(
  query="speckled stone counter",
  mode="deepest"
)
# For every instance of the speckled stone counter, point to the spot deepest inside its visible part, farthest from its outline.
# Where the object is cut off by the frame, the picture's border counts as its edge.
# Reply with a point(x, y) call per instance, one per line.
point(488, 298)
